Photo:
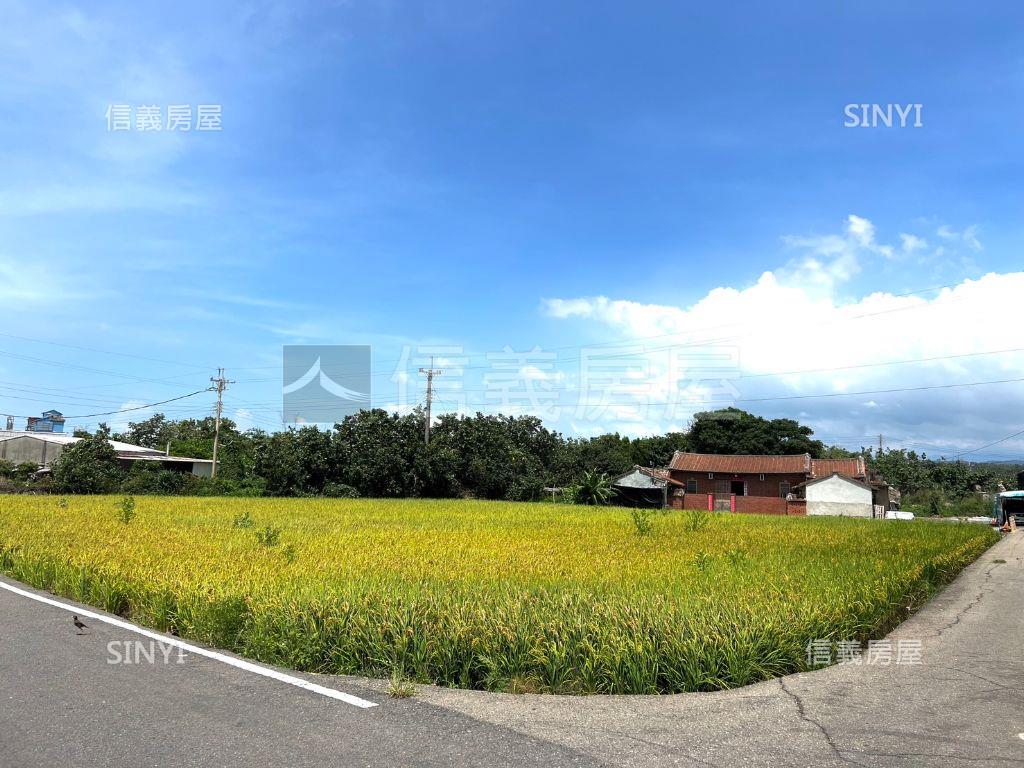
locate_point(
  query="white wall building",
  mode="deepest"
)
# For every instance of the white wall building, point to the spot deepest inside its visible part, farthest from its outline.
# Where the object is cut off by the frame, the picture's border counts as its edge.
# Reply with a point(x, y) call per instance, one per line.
point(838, 495)
point(42, 448)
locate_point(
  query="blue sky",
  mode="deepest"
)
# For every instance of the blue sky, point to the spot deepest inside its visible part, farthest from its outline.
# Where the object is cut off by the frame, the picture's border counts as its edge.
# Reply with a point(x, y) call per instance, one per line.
point(471, 176)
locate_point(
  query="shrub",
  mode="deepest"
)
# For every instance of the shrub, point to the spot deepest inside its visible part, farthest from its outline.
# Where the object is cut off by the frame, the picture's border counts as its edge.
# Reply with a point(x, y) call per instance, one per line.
point(25, 470)
point(340, 491)
point(269, 536)
point(289, 553)
point(642, 520)
point(593, 488)
point(155, 481)
point(126, 512)
point(697, 520)
point(973, 505)
point(88, 466)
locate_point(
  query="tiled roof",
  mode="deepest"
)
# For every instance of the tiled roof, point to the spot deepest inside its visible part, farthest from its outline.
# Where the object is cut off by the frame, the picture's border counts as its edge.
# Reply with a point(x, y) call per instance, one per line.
point(849, 467)
point(796, 464)
point(660, 474)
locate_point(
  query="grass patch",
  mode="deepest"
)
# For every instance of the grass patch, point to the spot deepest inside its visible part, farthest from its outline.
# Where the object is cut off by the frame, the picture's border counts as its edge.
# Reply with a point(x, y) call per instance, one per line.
point(491, 595)
point(399, 687)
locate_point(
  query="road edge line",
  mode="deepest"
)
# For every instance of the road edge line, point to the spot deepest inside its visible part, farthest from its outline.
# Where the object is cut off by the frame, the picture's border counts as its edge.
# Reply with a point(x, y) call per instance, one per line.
point(247, 666)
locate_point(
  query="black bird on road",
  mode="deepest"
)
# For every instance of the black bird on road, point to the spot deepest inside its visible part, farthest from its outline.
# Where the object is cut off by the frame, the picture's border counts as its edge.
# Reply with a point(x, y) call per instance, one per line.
point(78, 625)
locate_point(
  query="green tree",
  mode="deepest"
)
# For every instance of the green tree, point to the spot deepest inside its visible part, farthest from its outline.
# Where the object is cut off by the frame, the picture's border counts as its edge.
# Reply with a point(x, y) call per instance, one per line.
point(277, 462)
point(657, 450)
point(377, 452)
point(498, 457)
point(88, 466)
point(734, 431)
point(155, 432)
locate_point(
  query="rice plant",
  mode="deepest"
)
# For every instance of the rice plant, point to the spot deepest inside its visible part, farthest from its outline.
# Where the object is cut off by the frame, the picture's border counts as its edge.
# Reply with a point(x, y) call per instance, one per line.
point(489, 595)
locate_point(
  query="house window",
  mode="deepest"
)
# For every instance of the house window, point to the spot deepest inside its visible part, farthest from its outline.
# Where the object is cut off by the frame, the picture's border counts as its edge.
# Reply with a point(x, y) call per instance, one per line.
point(691, 486)
point(760, 477)
point(784, 489)
point(722, 486)
point(711, 475)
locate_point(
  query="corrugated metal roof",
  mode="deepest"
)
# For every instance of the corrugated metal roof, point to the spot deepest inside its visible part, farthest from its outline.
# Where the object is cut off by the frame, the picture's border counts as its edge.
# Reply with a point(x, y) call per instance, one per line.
point(849, 467)
point(162, 457)
point(125, 450)
point(639, 477)
point(65, 439)
point(794, 464)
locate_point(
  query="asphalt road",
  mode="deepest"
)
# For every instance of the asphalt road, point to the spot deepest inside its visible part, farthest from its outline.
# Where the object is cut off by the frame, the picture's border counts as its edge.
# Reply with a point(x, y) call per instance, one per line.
point(63, 704)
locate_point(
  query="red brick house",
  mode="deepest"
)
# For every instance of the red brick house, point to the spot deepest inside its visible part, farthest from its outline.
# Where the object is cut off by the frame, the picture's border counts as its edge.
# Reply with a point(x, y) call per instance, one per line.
point(750, 483)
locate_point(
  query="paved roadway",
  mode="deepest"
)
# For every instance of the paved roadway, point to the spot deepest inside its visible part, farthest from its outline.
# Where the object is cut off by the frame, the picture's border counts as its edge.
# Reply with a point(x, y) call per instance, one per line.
point(63, 704)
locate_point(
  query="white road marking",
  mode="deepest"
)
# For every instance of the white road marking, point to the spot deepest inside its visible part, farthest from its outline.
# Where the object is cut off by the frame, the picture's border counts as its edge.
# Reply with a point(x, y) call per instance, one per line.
point(248, 666)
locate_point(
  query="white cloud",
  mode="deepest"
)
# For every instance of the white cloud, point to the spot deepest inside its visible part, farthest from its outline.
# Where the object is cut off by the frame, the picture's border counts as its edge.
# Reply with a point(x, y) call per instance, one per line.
point(829, 261)
point(25, 280)
point(968, 236)
point(533, 373)
point(862, 230)
point(792, 320)
point(912, 243)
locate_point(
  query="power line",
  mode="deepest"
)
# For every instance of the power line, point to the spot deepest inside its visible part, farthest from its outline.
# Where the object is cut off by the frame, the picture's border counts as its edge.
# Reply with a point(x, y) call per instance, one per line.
point(102, 351)
point(698, 343)
point(873, 391)
point(935, 358)
point(989, 445)
point(463, 391)
point(126, 410)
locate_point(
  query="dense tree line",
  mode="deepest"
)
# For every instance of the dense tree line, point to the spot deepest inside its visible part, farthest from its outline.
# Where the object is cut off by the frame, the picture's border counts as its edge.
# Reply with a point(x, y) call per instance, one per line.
point(377, 453)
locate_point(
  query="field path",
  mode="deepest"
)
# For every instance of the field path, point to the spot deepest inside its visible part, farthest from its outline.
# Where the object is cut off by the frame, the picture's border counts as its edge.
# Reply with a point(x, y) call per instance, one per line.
point(62, 703)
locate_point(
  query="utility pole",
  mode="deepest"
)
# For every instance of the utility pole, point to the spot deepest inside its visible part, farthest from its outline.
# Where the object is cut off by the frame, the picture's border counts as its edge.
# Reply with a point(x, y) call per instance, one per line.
point(430, 374)
point(879, 444)
point(219, 385)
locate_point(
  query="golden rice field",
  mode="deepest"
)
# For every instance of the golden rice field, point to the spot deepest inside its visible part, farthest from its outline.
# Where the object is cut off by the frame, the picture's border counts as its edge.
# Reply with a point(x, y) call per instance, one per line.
point(487, 595)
